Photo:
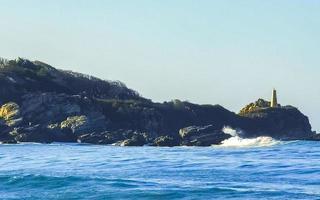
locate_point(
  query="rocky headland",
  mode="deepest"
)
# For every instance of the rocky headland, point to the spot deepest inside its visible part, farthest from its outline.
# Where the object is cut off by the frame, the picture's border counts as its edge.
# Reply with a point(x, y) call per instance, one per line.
point(39, 103)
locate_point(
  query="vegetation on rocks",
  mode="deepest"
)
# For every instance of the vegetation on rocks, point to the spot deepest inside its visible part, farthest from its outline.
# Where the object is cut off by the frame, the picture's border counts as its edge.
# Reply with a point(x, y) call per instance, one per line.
point(10, 113)
point(74, 122)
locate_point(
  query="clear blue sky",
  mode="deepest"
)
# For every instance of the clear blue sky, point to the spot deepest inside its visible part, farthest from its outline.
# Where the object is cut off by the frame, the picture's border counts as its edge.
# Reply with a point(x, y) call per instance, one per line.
point(204, 51)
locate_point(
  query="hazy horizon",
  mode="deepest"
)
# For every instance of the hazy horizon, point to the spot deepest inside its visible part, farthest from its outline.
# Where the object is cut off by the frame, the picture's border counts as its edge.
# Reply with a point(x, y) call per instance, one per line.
point(208, 52)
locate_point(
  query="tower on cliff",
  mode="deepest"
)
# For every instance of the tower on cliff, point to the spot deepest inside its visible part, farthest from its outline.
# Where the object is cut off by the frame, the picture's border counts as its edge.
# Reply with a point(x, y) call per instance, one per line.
point(274, 102)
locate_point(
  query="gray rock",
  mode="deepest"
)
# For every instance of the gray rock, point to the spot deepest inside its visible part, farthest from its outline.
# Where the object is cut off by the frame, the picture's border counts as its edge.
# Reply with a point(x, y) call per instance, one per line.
point(165, 141)
point(202, 136)
point(117, 137)
point(49, 107)
point(136, 140)
point(34, 133)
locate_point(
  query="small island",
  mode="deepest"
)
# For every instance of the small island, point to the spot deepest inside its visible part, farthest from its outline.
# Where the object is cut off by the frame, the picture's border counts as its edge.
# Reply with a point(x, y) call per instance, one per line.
point(39, 103)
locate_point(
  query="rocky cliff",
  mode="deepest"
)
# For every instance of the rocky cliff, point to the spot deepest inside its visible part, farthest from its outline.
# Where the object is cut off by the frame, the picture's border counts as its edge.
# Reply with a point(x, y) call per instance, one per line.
point(282, 122)
point(39, 103)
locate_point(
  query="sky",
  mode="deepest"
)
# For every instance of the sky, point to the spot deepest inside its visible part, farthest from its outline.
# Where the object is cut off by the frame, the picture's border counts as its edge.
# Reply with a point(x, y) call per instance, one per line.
point(204, 51)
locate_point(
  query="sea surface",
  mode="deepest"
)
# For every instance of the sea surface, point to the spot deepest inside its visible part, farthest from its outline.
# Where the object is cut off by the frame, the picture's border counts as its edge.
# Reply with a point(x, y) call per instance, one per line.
point(281, 170)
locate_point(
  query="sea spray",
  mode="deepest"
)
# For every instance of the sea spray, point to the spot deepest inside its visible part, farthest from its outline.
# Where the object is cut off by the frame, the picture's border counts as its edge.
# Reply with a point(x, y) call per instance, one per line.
point(238, 141)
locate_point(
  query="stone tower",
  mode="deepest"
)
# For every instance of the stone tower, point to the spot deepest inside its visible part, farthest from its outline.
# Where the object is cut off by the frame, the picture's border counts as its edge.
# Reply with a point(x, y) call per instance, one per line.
point(274, 102)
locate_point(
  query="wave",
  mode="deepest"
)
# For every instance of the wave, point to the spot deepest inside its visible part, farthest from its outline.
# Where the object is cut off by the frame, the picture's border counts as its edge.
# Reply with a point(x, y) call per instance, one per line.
point(237, 141)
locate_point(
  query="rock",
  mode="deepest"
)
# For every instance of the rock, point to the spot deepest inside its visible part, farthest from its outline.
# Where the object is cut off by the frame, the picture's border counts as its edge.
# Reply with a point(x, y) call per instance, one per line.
point(11, 141)
point(5, 137)
point(165, 141)
point(282, 122)
point(258, 105)
point(136, 140)
point(77, 124)
point(105, 137)
point(202, 135)
point(34, 133)
point(48, 108)
point(76, 113)
point(93, 138)
point(117, 137)
point(314, 137)
point(2, 123)
point(60, 135)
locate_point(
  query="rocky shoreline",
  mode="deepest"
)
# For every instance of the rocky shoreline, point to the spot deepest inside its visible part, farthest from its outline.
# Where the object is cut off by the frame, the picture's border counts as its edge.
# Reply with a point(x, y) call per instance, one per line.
point(39, 103)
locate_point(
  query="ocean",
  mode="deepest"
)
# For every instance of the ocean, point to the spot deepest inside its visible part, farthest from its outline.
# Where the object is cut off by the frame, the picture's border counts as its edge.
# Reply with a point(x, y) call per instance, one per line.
point(262, 170)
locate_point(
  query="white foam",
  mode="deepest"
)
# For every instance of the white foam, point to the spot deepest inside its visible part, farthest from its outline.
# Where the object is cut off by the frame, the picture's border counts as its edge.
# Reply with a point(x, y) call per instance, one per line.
point(230, 131)
point(237, 141)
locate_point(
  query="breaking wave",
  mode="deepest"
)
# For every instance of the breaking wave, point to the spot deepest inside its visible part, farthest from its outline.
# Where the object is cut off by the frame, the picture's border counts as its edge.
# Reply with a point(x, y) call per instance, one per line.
point(237, 141)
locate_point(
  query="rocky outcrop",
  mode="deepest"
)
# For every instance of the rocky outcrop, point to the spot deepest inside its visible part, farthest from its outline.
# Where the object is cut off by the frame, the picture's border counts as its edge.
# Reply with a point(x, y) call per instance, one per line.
point(282, 122)
point(256, 106)
point(202, 136)
point(118, 137)
point(39, 103)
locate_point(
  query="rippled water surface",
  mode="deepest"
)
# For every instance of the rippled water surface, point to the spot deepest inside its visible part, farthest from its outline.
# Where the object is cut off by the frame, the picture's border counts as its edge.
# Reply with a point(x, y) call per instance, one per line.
point(72, 171)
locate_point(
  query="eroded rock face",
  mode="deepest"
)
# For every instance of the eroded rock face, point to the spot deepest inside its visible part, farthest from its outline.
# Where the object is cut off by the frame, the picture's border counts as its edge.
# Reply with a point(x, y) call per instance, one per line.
point(202, 136)
point(49, 117)
point(49, 108)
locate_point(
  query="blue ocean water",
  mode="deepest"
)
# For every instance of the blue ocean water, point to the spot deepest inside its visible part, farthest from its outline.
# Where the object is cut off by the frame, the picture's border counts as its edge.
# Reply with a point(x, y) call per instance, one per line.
point(74, 171)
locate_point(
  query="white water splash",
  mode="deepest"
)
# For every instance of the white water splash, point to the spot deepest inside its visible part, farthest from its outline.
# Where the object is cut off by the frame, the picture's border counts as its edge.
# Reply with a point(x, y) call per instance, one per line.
point(237, 141)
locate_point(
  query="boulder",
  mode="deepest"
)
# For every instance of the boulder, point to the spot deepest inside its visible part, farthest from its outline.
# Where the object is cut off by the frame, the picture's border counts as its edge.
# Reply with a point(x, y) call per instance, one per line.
point(165, 141)
point(105, 137)
point(93, 138)
point(202, 136)
point(135, 140)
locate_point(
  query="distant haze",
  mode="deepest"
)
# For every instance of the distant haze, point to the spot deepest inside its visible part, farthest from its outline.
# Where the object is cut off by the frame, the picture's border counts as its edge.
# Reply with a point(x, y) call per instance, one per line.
point(208, 52)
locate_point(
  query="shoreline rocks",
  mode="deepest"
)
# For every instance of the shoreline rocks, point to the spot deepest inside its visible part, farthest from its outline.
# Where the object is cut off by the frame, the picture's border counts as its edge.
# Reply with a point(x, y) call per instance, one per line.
point(202, 136)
